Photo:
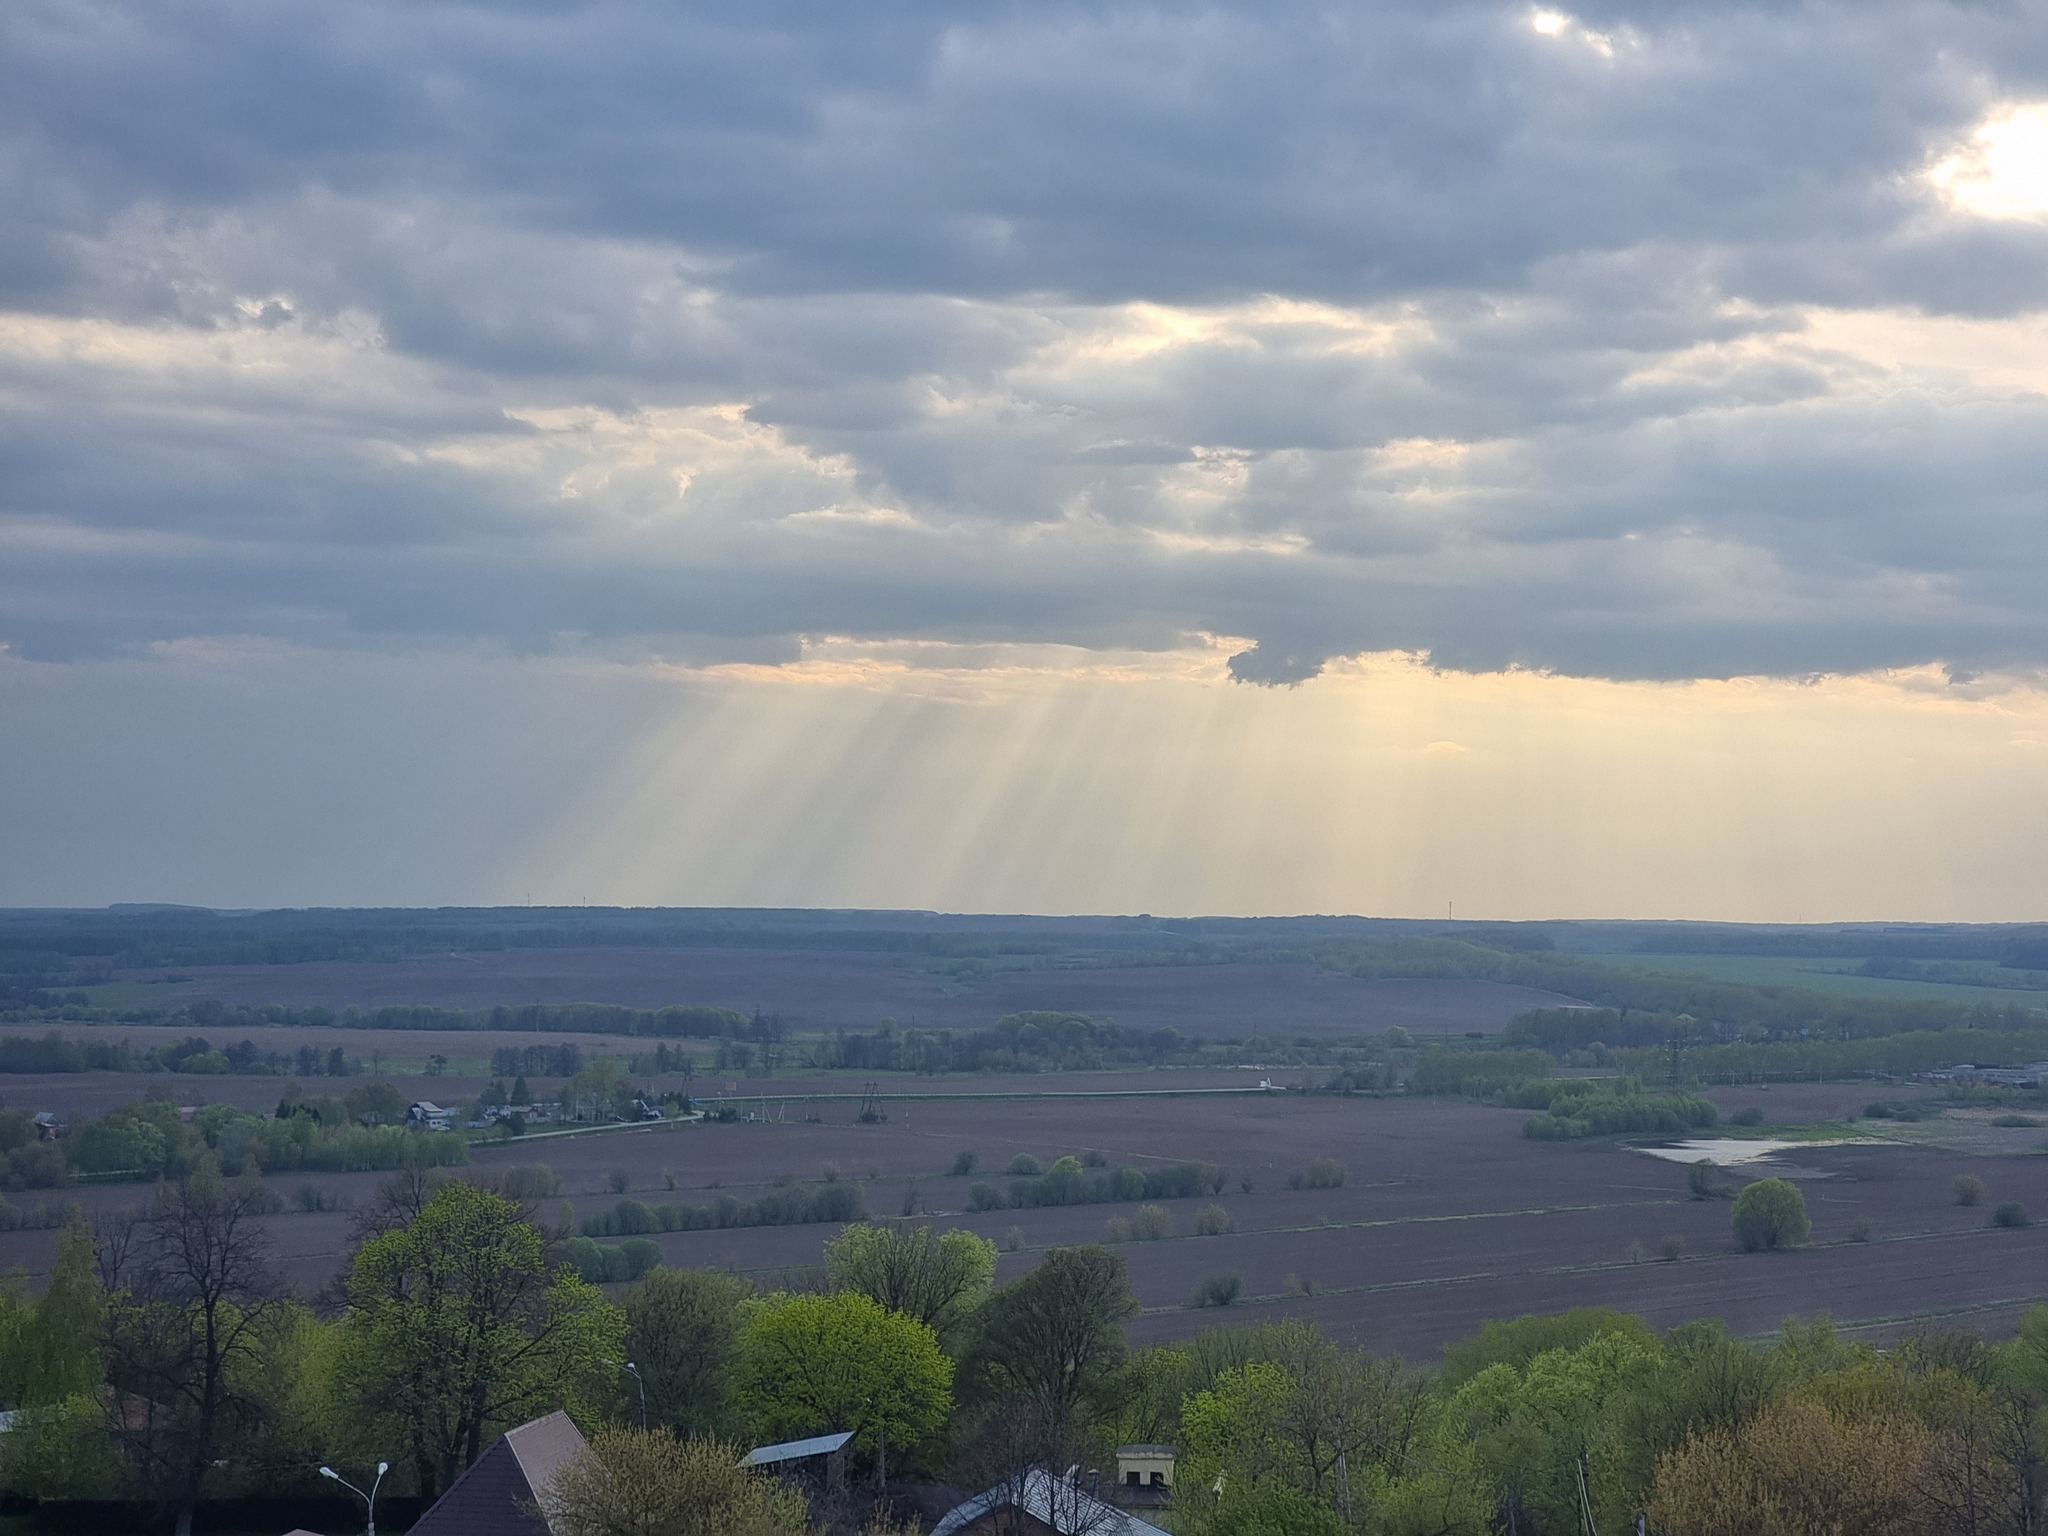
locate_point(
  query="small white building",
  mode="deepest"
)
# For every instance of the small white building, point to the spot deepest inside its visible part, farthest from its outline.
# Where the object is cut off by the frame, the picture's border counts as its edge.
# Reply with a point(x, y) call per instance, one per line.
point(1144, 1473)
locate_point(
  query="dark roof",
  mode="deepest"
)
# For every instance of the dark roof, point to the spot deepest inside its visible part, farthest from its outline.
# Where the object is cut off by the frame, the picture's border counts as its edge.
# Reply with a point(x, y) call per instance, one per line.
point(494, 1497)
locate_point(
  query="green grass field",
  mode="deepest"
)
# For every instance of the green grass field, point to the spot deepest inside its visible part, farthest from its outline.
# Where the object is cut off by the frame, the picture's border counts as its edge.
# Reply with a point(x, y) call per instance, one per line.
point(1817, 975)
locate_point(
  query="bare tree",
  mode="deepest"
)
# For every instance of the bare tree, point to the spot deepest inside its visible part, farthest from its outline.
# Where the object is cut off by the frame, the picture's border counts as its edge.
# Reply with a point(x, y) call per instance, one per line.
point(1037, 1466)
point(398, 1198)
point(184, 1329)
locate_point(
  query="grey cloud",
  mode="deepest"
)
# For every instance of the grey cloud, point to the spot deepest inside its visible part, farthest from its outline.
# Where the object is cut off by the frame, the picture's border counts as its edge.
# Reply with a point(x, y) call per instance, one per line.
point(899, 239)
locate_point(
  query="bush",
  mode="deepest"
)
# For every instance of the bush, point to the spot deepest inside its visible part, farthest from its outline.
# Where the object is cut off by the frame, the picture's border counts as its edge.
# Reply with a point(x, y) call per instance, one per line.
point(311, 1197)
point(1703, 1179)
point(1013, 1240)
point(1606, 1106)
point(1771, 1214)
point(1969, 1189)
point(1860, 1233)
point(964, 1163)
point(618, 1181)
point(1671, 1249)
point(1218, 1290)
point(1750, 1116)
point(1212, 1221)
point(1025, 1166)
point(2027, 1122)
point(1151, 1223)
point(2009, 1214)
point(1321, 1173)
point(529, 1181)
point(1635, 1252)
point(1116, 1230)
point(985, 1197)
point(1094, 1160)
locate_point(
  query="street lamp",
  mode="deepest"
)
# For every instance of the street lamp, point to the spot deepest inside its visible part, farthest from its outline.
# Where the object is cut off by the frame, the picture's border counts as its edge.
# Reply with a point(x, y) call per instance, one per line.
point(643, 1391)
point(369, 1498)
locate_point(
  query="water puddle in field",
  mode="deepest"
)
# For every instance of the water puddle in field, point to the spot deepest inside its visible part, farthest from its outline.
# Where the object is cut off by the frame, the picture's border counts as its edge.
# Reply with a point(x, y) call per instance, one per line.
point(1722, 1151)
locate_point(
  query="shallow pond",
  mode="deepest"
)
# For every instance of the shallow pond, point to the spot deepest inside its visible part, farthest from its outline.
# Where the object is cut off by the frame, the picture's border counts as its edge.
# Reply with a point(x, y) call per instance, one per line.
point(1724, 1151)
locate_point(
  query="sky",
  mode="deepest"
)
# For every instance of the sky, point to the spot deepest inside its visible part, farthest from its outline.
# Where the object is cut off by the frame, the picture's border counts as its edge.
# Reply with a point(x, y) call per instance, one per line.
point(1390, 458)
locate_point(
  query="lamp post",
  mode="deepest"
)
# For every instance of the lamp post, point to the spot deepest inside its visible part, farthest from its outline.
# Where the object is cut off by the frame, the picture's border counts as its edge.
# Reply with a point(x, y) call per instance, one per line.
point(369, 1498)
point(637, 1377)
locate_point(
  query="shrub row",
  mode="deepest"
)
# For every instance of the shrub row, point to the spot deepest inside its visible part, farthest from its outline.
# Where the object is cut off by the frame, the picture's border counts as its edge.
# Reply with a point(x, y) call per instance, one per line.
point(1068, 1183)
point(602, 1263)
point(777, 1208)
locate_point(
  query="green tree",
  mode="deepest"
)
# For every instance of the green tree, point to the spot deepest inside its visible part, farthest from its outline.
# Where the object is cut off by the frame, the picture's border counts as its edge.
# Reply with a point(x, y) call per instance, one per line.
point(1054, 1338)
point(51, 1372)
point(457, 1326)
point(937, 1278)
point(812, 1365)
point(648, 1483)
point(682, 1335)
point(50, 1348)
point(1771, 1213)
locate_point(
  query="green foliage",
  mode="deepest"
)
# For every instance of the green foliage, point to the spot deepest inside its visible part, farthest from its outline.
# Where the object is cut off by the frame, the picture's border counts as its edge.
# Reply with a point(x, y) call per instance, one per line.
point(49, 1347)
point(812, 1364)
point(647, 1483)
point(612, 1263)
point(1517, 1341)
point(61, 1450)
point(1968, 1189)
point(777, 1208)
point(964, 1163)
point(1070, 1182)
point(1703, 1178)
point(1273, 1509)
point(1151, 1223)
point(149, 1139)
point(1771, 1214)
point(2010, 1214)
point(682, 1333)
point(1053, 1340)
point(937, 1278)
point(1476, 1073)
point(1321, 1173)
point(1607, 1106)
point(1212, 1221)
point(457, 1327)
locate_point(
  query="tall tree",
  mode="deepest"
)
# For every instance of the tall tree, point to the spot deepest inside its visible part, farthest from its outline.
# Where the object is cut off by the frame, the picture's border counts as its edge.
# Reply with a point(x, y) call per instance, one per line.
point(457, 1326)
point(682, 1335)
point(1054, 1338)
point(812, 1365)
point(196, 1294)
point(937, 1278)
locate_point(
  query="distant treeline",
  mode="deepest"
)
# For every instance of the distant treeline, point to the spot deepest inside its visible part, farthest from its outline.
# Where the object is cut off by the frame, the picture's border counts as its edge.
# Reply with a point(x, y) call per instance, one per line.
point(694, 1021)
point(1622, 995)
point(1032, 1041)
point(194, 1054)
point(1572, 1107)
point(154, 938)
point(791, 1207)
point(1652, 1044)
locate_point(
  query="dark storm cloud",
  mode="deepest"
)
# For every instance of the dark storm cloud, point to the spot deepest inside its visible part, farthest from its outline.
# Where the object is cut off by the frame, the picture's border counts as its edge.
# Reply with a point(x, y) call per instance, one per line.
point(1418, 327)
